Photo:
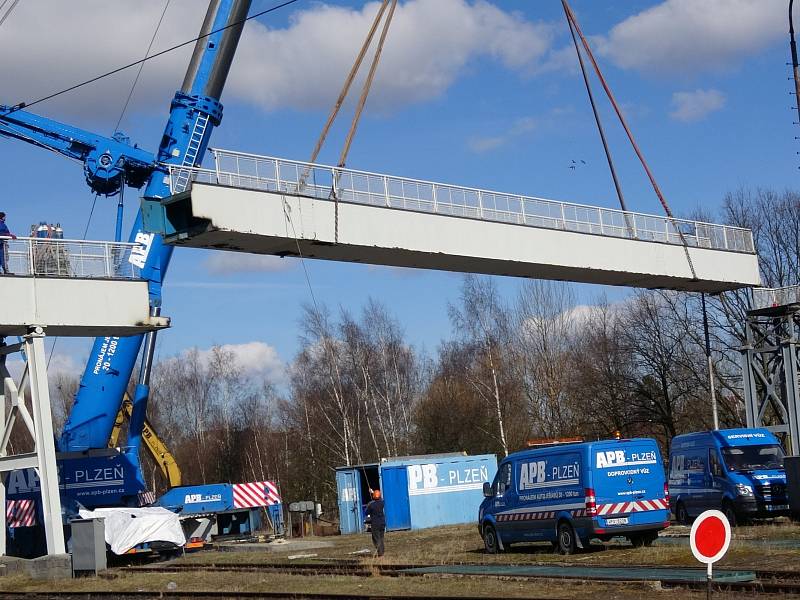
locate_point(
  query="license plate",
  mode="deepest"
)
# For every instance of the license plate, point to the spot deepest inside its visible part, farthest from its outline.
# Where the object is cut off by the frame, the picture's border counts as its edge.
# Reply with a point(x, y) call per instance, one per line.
point(617, 521)
point(778, 507)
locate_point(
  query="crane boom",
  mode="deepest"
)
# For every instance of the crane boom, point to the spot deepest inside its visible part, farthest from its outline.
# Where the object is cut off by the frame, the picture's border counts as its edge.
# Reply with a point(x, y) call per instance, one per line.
point(194, 112)
point(108, 161)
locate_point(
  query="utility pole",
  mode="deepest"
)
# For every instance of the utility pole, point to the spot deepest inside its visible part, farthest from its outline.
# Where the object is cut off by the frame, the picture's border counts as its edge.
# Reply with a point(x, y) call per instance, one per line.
point(714, 411)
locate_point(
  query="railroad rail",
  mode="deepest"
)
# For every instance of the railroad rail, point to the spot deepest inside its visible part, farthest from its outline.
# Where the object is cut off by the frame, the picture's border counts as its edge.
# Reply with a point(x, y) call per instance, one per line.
point(137, 595)
point(767, 581)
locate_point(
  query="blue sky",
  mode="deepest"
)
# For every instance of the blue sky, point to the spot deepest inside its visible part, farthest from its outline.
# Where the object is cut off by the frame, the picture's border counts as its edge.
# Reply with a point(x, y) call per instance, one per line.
point(477, 93)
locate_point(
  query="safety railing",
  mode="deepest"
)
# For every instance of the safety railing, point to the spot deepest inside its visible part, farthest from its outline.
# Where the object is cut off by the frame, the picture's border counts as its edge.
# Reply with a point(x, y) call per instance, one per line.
point(237, 169)
point(47, 257)
point(775, 297)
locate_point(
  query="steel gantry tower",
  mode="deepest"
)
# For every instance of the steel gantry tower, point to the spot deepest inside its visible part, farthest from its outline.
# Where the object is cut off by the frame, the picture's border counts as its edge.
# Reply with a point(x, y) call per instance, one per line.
point(771, 363)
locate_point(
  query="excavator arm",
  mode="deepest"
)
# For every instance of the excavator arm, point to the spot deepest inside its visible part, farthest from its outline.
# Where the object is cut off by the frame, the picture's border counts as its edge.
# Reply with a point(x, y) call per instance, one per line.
point(157, 449)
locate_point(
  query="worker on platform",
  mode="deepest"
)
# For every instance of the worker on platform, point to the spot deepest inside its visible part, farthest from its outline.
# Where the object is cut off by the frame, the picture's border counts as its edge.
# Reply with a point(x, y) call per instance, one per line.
point(376, 519)
point(4, 234)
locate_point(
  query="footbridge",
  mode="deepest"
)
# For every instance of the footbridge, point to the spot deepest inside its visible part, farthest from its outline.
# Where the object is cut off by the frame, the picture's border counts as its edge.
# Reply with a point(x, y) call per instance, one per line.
point(268, 205)
point(58, 287)
point(74, 287)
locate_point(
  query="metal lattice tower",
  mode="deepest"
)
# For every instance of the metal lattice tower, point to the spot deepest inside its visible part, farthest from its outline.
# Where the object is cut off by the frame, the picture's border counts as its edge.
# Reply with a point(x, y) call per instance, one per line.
point(771, 363)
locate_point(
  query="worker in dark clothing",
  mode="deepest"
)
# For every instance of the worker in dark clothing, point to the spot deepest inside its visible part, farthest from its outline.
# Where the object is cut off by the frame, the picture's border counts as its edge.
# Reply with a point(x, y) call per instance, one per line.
point(4, 234)
point(376, 519)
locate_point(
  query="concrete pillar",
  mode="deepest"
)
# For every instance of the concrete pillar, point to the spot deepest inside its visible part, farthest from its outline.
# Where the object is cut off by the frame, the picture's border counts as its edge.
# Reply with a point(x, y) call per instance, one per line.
point(45, 444)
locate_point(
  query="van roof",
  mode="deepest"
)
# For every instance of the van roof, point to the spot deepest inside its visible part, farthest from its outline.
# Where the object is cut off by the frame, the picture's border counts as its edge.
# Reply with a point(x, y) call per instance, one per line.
point(579, 446)
point(741, 436)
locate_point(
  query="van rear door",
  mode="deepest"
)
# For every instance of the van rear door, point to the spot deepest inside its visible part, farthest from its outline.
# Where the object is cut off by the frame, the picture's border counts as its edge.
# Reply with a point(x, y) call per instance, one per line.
point(628, 482)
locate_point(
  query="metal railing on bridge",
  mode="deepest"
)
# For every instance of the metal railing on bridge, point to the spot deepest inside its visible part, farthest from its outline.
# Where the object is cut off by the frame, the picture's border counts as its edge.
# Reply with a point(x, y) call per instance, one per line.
point(775, 297)
point(47, 257)
point(270, 174)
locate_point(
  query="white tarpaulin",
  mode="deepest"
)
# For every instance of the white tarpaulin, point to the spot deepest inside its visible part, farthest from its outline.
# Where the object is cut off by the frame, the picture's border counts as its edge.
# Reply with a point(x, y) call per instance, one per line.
point(129, 527)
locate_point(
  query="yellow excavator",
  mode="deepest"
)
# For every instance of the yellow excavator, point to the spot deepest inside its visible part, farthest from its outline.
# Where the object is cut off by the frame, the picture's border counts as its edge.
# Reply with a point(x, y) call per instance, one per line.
point(157, 449)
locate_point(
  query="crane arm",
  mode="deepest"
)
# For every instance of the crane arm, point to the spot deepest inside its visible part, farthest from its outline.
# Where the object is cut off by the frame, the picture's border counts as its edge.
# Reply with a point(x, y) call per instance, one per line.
point(108, 162)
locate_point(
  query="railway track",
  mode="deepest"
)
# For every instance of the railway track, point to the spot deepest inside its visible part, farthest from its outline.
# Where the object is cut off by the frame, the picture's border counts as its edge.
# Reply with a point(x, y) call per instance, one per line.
point(767, 581)
point(188, 595)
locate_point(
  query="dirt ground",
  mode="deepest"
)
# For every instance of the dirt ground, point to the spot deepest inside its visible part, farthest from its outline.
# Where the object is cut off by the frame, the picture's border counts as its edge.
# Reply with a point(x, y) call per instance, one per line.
point(772, 546)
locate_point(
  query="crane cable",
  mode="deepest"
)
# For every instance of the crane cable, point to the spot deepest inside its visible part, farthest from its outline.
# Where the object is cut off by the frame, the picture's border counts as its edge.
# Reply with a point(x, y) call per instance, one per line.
point(141, 66)
point(367, 86)
point(9, 11)
point(347, 83)
point(574, 22)
point(359, 107)
point(617, 185)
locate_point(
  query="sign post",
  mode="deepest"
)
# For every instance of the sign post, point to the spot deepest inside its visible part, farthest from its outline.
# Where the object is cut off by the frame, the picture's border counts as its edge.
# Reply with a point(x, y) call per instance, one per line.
point(709, 539)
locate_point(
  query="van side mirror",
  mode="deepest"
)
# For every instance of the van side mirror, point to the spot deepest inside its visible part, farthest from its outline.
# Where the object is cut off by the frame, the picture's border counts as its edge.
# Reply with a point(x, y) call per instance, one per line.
point(487, 489)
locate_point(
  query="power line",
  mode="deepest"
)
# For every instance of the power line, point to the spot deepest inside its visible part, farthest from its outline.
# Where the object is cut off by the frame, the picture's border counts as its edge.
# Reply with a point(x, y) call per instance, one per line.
point(22, 105)
point(141, 66)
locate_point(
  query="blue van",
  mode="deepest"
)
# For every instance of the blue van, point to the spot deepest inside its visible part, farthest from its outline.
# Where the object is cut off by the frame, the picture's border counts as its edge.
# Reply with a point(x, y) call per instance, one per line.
point(737, 471)
point(570, 493)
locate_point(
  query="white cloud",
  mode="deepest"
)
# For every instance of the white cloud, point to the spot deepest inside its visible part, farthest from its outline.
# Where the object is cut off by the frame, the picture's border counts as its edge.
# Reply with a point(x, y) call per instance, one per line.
point(58, 364)
point(695, 105)
point(254, 358)
point(689, 36)
point(520, 127)
point(57, 44)
point(429, 45)
point(229, 263)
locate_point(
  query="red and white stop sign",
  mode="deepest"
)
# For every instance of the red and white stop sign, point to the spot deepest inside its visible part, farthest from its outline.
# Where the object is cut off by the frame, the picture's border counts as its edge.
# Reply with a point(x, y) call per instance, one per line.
point(710, 537)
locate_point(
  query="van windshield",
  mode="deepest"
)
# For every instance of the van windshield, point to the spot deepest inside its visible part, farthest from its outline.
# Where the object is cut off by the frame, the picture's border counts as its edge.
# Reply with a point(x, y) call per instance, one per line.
point(753, 458)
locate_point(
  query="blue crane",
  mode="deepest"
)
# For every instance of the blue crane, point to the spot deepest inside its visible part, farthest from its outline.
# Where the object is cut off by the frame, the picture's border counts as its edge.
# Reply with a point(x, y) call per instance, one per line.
point(110, 163)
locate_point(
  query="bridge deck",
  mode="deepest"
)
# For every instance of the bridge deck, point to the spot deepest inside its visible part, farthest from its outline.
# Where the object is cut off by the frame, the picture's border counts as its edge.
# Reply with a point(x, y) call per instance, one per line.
point(74, 288)
point(267, 205)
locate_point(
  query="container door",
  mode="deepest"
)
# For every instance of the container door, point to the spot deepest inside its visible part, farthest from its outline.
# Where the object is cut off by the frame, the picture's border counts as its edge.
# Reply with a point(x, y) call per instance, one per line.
point(394, 482)
point(349, 502)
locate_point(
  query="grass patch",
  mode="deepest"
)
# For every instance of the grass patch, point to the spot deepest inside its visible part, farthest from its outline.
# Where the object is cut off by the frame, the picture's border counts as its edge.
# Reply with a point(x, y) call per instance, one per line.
point(455, 544)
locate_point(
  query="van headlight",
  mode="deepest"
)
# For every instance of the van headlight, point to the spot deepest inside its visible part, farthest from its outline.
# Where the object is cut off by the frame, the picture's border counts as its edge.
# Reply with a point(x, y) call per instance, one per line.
point(744, 490)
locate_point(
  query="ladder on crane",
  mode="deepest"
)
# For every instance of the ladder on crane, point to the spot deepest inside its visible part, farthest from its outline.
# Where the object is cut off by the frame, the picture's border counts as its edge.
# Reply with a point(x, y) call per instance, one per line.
point(192, 151)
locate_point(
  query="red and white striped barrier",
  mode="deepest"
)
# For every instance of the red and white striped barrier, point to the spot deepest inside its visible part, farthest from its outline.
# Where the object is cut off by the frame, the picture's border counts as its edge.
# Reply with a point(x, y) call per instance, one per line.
point(255, 494)
point(21, 513)
point(635, 506)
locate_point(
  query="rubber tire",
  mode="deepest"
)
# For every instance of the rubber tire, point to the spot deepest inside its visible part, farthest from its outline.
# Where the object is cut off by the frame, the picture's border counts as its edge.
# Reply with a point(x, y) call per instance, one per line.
point(643, 539)
point(490, 540)
point(681, 515)
point(729, 512)
point(565, 540)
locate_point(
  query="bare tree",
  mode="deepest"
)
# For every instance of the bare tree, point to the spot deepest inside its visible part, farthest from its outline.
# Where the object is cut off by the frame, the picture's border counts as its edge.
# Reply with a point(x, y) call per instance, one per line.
point(545, 328)
point(481, 323)
point(602, 372)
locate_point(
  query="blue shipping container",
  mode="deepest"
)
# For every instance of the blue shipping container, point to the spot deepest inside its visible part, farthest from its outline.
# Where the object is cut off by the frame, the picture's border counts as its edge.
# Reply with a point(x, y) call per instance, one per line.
point(430, 491)
point(419, 491)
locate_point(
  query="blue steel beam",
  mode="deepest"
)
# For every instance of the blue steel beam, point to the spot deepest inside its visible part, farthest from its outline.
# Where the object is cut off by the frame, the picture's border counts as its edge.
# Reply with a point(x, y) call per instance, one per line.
point(105, 160)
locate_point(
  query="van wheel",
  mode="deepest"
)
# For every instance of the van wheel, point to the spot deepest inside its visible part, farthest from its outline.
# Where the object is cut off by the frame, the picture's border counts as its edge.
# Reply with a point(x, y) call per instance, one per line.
point(566, 538)
point(681, 516)
point(729, 512)
point(644, 539)
point(490, 540)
